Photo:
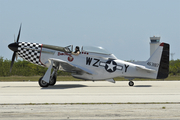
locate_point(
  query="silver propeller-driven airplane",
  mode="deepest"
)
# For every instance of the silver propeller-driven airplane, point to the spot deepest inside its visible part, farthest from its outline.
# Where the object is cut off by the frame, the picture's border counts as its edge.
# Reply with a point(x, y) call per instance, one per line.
point(93, 63)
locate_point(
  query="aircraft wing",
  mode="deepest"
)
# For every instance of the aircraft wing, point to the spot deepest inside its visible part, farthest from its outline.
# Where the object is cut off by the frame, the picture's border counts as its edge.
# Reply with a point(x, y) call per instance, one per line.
point(144, 69)
point(69, 67)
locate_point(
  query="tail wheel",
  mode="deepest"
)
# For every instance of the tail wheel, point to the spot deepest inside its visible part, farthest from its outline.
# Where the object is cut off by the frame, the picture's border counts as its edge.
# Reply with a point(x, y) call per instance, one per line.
point(131, 83)
point(42, 83)
point(52, 81)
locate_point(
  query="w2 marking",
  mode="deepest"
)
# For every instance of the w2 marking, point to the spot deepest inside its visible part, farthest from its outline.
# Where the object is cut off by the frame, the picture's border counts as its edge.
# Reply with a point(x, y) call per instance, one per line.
point(94, 63)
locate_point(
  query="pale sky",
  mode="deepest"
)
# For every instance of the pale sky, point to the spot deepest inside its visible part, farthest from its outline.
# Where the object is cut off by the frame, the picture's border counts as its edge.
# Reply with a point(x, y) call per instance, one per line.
point(121, 26)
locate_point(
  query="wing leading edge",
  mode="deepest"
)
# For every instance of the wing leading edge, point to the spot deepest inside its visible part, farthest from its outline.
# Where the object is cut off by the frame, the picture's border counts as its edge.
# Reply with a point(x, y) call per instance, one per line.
point(72, 68)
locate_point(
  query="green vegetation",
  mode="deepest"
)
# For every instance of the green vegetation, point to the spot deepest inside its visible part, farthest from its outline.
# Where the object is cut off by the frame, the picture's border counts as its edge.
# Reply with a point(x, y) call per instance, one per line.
point(70, 78)
point(174, 67)
point(26, 71)
point(35, 78)
point(23, 68)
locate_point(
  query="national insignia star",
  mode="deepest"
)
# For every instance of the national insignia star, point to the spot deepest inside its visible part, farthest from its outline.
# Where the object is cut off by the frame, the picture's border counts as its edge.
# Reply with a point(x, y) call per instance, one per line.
point(111, 66)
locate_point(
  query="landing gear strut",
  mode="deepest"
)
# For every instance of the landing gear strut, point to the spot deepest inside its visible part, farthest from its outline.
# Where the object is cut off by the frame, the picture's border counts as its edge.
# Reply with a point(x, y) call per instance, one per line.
point(52, 80)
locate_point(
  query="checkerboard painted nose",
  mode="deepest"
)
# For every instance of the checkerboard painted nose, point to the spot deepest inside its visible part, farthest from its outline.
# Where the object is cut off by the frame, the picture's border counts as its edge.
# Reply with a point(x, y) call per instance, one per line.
point(30, 52)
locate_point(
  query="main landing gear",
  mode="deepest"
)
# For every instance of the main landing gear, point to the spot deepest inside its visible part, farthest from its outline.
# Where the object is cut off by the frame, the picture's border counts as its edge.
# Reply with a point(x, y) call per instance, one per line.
point(42, 83)
point(52, 80)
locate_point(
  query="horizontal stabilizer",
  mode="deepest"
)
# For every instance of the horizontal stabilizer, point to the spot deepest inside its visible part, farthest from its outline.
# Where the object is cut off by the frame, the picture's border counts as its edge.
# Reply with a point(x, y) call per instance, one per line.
point(144, 69)
point(111, 80)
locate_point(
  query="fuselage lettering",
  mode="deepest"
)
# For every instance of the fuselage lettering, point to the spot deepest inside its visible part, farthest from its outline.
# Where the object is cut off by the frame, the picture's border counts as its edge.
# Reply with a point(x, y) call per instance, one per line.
point(126, 66)
point(95, 64)
point(88, 60)
point(95, 61)
point(153, 64)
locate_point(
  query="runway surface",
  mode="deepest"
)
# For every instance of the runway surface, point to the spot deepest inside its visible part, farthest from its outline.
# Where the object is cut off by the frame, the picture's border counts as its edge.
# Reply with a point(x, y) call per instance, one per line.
point(89, 111)
point(90, 92)
point(92, 100)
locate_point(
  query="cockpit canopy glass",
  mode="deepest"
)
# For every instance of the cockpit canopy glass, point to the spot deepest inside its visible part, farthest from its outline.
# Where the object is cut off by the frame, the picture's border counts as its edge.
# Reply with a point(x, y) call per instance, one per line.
point(68, 49)
point(95, 49)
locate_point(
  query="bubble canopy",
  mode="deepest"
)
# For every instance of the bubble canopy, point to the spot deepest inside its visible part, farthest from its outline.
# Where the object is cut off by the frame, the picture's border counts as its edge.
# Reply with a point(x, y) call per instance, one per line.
point(95, 49)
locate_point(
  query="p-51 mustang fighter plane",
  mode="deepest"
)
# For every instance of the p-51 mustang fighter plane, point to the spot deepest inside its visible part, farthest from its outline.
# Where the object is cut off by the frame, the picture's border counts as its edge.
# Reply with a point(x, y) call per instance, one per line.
point(93, 63)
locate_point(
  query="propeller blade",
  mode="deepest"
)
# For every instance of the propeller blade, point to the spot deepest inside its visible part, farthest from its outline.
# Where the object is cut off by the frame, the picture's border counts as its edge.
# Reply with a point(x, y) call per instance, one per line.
point(13, 47)
point(12, 61)
point(19, 34)
point(14, 38)
point(16, 56)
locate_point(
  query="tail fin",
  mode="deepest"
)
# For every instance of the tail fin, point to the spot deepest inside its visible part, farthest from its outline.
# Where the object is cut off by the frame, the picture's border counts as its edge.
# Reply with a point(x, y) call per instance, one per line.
point(159, 61)
point(164, 63)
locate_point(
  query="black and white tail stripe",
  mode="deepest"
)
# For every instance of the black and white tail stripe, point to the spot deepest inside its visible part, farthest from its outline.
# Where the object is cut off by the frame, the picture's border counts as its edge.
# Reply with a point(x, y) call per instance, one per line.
point(30, 52)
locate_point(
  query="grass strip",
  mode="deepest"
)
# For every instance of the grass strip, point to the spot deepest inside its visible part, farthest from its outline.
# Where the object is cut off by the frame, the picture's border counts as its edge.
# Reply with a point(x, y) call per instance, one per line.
point(90, 103)
point(70, 78)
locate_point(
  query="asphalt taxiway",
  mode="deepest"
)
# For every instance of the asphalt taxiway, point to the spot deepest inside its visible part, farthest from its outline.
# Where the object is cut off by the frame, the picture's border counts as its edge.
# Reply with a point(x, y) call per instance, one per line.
point(90, 92)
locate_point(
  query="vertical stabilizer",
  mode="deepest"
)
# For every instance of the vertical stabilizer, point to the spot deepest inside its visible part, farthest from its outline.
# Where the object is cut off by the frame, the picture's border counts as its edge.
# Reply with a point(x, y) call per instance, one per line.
point(159, 61)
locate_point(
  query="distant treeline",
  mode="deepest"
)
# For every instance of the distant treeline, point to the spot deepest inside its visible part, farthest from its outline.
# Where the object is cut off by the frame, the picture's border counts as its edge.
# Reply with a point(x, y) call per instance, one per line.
point(24, 68)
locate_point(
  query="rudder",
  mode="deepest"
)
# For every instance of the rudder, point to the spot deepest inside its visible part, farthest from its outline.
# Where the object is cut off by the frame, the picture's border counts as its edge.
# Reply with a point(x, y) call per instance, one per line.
point(164, 62)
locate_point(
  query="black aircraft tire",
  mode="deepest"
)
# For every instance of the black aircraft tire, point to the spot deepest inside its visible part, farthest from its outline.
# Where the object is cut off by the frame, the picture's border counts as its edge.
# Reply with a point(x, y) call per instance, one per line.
point(53, 81)
point(131, 83)
point(42, 83)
